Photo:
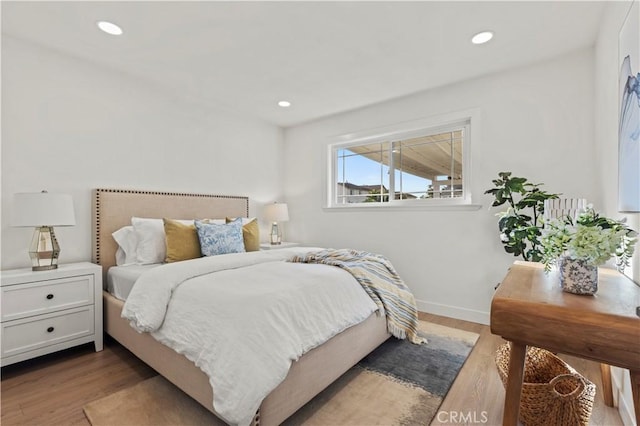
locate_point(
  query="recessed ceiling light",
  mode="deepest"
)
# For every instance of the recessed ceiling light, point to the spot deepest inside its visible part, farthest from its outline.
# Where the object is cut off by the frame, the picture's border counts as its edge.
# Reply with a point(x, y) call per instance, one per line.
point(284, 104)
point(482, 37)
point(109, 27)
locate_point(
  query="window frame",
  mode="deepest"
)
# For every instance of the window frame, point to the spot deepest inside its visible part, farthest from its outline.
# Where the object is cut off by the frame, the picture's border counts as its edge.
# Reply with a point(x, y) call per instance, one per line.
point(469, 119)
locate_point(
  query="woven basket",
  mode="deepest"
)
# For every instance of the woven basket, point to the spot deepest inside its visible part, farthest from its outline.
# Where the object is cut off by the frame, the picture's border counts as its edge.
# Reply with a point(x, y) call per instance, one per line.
point(553, 393)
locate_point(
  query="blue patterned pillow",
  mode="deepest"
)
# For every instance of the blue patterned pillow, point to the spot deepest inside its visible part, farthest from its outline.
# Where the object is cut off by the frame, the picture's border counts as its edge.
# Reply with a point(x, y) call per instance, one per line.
point(220, 238)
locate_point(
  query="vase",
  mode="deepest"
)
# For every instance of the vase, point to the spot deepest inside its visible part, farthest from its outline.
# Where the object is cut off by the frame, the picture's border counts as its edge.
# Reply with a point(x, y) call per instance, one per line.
point(577, 276)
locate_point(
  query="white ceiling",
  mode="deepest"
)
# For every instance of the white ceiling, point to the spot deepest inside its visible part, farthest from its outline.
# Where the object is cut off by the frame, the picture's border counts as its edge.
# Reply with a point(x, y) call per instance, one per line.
point(324, 57)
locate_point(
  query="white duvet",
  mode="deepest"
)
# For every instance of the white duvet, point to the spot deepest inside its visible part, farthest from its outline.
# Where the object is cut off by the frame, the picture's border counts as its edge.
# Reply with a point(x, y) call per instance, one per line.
point(243, 318)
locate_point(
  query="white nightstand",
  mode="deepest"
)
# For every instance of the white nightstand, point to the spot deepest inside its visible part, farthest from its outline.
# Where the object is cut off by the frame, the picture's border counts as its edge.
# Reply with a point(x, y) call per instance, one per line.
point(46, 311)
point(284, 244)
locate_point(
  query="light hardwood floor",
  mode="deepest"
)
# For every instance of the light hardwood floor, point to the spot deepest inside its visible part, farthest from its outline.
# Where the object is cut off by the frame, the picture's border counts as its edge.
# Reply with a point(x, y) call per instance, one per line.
point(51, 390)
point(478, 388)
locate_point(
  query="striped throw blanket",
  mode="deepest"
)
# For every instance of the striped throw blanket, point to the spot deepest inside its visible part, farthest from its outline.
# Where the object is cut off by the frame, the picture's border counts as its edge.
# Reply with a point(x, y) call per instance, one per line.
point(381, 282)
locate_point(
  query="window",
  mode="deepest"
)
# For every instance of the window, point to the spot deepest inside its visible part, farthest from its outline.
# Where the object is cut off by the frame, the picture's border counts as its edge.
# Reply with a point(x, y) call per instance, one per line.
point(420, 163)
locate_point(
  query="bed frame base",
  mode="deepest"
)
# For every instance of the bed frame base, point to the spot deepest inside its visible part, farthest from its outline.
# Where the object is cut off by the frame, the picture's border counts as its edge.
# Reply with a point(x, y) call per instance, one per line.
point(308, 376)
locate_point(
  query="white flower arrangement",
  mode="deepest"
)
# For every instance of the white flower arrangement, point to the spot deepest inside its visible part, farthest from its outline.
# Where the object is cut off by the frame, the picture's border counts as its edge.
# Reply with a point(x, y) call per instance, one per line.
point(592, 239)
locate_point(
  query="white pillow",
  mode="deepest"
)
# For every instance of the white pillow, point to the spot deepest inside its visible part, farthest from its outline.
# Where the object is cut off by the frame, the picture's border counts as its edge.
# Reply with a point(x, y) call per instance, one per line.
point(127, 242)
point(151, 240)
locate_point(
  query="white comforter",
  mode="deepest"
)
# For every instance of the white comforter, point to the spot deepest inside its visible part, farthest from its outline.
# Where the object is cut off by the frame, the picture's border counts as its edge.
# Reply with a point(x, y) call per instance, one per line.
point(243, 318)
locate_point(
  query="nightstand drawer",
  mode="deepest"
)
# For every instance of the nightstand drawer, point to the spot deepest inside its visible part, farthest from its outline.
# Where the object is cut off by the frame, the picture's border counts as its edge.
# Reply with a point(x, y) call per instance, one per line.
point(32, 333)
point(26, 300)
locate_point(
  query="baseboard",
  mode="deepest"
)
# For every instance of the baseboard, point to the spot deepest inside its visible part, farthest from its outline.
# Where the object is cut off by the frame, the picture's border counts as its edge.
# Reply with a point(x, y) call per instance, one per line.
point(627, 413)
point(453, 312)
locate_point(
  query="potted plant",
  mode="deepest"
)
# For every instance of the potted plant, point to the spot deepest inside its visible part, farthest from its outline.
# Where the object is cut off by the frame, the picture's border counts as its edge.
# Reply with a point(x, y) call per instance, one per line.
point(521, 223)
point(579, 247)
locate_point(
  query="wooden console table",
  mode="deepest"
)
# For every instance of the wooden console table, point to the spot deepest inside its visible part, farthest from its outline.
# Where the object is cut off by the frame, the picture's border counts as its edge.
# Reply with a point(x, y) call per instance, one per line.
point(529, 308)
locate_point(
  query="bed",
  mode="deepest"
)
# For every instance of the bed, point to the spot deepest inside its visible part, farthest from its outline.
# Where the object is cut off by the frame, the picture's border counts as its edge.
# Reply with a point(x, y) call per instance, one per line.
point(309, 375)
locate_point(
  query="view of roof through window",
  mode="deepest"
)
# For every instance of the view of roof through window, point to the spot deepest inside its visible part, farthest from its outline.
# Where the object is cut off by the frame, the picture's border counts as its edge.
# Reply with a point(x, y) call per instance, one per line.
point(422, 167)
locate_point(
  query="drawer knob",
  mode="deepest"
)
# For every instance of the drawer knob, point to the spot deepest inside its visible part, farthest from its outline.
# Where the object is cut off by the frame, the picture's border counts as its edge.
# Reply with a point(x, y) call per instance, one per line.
point(49, 296)
point(50, 329)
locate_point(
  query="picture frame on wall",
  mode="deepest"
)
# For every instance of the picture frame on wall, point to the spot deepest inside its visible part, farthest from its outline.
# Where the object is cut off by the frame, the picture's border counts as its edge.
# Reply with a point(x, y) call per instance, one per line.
point(629, 114)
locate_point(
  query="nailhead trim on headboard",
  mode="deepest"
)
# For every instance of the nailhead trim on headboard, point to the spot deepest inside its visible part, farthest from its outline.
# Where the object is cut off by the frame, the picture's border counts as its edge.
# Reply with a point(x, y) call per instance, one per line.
point(96, 201)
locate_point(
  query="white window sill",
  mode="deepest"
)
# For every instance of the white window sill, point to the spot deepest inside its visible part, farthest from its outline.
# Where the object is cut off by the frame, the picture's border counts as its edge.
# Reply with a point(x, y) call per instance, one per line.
point(402, 207)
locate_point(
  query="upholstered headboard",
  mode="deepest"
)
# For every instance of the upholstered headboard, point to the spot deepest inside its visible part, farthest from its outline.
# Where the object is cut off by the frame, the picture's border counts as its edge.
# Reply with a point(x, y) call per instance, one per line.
point(113, 209)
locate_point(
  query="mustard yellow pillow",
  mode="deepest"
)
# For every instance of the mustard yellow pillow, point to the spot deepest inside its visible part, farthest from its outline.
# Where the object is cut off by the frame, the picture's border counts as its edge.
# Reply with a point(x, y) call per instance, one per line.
point(250, 234)
point(182, 241)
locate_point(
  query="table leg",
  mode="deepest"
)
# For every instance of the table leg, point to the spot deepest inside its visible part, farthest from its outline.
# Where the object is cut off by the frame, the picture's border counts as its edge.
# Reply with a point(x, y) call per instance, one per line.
point(514, 384)
point(607, 389)
point(635, 391)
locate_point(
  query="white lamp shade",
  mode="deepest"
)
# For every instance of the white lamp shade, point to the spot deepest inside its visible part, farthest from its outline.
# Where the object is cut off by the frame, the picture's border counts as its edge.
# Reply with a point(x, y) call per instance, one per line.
point(276, 212)
point(42, 209)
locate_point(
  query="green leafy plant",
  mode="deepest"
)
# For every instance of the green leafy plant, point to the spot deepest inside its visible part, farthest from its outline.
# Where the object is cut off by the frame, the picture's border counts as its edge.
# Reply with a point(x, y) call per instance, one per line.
point(520, 224)
point(591, 238)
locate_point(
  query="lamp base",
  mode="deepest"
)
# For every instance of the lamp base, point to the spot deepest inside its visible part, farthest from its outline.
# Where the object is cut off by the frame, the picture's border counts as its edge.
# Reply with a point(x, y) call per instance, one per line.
point(276, 236)
point(44, 249)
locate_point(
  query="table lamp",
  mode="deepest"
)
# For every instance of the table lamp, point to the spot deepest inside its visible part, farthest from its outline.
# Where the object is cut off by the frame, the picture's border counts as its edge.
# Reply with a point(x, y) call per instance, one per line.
point(274, 213)
point(43, 210)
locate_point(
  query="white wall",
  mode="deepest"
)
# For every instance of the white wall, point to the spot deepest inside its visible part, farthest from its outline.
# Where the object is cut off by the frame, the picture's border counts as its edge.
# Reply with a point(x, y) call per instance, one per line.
point(70, 126)
point(606, 110)
point(606, 133)
point(536, 122)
